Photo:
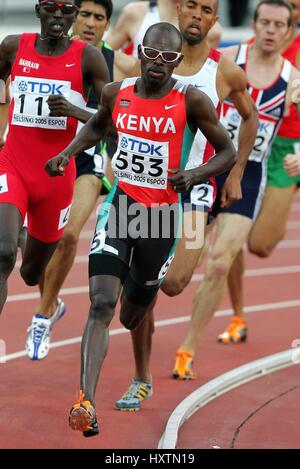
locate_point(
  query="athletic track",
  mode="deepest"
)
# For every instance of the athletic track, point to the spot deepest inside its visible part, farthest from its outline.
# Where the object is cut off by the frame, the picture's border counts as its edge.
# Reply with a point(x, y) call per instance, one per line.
point(263, 413)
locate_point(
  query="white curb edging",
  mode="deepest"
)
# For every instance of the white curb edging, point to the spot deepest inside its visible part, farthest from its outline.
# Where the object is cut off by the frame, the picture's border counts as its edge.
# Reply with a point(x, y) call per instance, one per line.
point(218, 386)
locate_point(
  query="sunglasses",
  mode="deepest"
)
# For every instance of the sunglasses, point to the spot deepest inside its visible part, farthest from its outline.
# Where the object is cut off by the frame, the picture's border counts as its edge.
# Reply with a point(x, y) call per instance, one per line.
point(168, 56)
point(65, 8)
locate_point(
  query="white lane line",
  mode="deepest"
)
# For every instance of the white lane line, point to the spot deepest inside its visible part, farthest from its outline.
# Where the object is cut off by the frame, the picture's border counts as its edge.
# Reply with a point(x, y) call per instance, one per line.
point(293, 225)
point(286, 244)
point(289, 244)
point(219, 386)
point(88, 234)
point(164, 323)
point(289, 269)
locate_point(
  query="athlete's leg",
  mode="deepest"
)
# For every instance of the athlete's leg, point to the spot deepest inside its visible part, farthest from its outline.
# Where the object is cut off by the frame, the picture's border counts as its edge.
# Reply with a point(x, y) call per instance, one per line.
point(86, 193)
point(142, 347)
point(237, 330)
point(235, 284)
point(187, 254)
point(268, 230)
point(36, 257)
point(140, 387)
point(22, 239)
point(104, 294)
point(178, 276)
point(10, 225)
point(232, 232)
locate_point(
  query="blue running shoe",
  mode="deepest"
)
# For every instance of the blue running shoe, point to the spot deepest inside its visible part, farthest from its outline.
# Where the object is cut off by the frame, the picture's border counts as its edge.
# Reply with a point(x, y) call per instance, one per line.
point(39, 333)
point(137, 392)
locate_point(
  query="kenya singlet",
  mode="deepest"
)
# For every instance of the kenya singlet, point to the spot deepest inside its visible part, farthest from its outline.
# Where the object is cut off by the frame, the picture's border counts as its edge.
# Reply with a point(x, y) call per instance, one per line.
point(153, 138)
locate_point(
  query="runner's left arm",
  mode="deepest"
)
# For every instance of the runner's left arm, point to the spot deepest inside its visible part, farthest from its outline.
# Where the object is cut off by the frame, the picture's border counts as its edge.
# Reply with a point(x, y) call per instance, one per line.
point(5, 100)
point(8, 49)
point(202, 115)
point(95, 74)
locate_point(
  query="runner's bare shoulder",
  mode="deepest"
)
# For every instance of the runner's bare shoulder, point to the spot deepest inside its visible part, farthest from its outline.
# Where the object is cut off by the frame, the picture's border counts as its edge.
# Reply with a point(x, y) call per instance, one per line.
point(10, 44)
point(135, 10)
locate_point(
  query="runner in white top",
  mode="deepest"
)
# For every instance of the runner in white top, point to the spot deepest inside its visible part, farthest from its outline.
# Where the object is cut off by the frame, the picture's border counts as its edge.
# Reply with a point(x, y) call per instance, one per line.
point(270, 82)
point(132, 24)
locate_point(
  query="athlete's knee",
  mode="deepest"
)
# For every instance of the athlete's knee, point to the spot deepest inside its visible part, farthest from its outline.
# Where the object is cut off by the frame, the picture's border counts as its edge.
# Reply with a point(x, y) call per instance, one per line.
point(173, 287)
point(69, 239)
point(218, 267)
point(134, 319)
point(30, 277)
point(8, 256)
point(103, 306)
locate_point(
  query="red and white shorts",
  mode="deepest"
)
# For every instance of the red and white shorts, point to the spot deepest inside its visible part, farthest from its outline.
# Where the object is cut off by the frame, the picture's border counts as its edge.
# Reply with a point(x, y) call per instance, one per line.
point(46, 200)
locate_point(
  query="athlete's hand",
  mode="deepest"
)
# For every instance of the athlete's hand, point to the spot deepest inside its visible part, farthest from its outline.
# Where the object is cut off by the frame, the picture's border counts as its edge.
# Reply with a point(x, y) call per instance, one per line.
point(292, 164)
point(231, 191)
point(59, 106)
point(56, 166)
point(182, 179)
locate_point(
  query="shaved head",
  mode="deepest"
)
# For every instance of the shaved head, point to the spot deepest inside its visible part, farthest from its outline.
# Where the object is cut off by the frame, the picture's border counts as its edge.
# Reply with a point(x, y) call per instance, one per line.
point(163, 31)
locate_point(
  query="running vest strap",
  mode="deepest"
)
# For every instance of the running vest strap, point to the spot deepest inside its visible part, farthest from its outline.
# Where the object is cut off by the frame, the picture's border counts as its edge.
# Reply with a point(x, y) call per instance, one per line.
point(206, 81)
point(151, 17)
point(290, 127)
point(33, 134)
point(153, 138)
point(270, 103)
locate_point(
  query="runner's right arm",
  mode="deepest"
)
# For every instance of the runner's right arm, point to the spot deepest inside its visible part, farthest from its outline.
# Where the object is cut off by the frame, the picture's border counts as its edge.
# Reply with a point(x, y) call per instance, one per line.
point(126, 66)
point(202, 115)
point(127, 25)
point(92, 132)
point(95, 73)
point(5, 101)
point(8, 50)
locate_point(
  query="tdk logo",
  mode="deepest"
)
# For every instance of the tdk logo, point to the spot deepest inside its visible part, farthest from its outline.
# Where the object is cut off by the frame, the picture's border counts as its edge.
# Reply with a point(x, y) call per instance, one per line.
point(124, 142)
point(23, 86)
point(40, 88)
point(235, 117)
point(264, 127)
point(143, 148)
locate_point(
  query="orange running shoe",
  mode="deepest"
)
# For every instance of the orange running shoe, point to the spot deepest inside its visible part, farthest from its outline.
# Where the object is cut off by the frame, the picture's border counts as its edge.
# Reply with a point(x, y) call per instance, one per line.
point(83, 417)
point(183, 365)
point(236, 332)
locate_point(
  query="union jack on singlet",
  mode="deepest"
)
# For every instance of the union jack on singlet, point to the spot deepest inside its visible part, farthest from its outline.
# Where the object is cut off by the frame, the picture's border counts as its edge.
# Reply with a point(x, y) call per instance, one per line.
point(270, 103)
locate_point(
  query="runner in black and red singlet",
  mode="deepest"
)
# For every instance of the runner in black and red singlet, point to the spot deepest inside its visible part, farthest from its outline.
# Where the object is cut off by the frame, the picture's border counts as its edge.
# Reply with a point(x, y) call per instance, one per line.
point(46, 69)
point(156, 118)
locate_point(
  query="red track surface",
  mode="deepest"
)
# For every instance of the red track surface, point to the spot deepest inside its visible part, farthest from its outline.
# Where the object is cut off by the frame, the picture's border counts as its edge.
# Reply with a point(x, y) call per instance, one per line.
point(36, 396)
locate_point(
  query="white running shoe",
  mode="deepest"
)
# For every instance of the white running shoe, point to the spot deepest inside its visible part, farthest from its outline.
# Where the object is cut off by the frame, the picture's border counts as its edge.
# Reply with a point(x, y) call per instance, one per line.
point(39, 333)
